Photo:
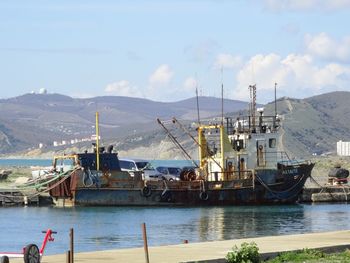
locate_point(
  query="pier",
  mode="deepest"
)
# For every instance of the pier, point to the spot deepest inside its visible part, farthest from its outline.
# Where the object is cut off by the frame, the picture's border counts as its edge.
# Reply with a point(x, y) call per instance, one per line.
point(212, 252)
point(11, 197)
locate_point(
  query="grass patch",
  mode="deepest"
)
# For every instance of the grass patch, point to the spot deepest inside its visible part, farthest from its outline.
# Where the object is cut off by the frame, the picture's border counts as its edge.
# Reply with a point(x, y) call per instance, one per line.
point(311, 256)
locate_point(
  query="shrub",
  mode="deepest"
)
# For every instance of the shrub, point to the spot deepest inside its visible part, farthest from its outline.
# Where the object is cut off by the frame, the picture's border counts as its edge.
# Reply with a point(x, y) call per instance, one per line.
point(247, 253)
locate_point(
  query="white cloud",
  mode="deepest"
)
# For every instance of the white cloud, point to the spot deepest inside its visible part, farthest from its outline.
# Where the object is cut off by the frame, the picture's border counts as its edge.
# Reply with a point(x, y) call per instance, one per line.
point(296, 75)
point(306, 5)
point(227, 61)
point(323, 46)
point(123, 88)
point(190, 84)
point(161, 76)
point(160, 85)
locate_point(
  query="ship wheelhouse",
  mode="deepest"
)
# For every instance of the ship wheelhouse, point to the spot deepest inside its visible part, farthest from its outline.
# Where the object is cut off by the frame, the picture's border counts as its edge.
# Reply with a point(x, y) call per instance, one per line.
point(239, 148)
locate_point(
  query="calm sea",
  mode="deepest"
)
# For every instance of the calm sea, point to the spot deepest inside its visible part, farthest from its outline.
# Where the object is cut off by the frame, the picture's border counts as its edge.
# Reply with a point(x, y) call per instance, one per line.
point(25, 162)
point(102, 228)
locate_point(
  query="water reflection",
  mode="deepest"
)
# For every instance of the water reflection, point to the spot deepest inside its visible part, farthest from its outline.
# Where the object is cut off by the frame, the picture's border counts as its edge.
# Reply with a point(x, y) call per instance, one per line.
point(241, 222)
point(120, 227)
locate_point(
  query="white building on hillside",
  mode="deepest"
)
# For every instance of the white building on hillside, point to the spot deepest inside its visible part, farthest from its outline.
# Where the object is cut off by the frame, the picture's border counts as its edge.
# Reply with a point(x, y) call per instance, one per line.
point(343, 148)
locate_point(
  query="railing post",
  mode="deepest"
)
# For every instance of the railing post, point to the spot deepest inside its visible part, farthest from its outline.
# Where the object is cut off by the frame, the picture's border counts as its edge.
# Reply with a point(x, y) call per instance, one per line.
point(253, 179)
point(68, 256)
point(145, 245)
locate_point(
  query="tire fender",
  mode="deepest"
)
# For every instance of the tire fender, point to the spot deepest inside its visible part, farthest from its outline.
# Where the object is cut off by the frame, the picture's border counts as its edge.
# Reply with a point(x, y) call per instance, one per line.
point(146, 191)
point(166, 196)
point(203, 196)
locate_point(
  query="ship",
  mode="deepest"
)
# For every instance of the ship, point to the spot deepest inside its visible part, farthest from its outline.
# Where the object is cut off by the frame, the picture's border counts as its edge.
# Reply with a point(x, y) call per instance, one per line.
point(238, 164)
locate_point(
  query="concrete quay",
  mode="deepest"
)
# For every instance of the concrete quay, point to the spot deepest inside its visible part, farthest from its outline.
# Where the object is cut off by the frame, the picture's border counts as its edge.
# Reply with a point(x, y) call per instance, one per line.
point(332, 194)
point(210, 251)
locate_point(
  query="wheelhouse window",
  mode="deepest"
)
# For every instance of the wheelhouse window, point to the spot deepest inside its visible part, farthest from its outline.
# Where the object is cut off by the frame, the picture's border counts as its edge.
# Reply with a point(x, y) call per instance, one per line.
point(127, 165)
point(272, 143)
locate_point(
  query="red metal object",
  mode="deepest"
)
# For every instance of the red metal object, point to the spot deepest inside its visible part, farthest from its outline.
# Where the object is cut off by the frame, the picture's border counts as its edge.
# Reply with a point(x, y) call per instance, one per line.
point(48, 238)
point(31, 253)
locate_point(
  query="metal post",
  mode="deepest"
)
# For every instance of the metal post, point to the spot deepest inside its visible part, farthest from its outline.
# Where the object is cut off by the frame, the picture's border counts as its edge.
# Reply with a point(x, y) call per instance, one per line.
point(97, 144)
point(145, 245)
point(275, 100)
point(222, 96)
point(199, 120)
point(253, 179)
point(71, 235)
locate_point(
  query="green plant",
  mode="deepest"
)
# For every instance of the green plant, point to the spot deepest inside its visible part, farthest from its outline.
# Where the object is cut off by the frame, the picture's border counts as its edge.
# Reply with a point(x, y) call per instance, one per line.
point(247, 253)
point(304, 255)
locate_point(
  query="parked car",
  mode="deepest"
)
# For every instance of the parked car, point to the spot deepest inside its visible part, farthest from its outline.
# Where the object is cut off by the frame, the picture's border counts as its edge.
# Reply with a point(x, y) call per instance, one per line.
point(138, 165)
point(170, 173)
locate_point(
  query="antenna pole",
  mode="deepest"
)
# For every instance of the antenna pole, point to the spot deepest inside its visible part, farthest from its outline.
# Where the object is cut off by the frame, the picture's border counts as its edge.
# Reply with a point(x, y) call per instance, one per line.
point(222, 96)
point(97, 144)
point(199, 120)
point(275, 100)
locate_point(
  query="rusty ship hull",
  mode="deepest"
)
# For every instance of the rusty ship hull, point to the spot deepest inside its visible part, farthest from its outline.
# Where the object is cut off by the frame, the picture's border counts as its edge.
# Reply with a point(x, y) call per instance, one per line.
point(268, 187)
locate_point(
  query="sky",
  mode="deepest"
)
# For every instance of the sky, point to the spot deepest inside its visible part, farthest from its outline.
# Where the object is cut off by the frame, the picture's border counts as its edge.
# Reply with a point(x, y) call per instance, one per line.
point(164, 50)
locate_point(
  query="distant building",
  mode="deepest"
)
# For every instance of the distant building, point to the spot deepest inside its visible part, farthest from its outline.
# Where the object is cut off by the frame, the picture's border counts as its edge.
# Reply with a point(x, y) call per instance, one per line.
point(55, 144)
point(94, 137)
point(343, 148)
point(73, 141)
point(41, 145)
point(42, 91)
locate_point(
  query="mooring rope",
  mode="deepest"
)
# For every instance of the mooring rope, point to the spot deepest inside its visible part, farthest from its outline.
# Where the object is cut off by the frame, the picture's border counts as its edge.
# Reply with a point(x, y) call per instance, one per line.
point(65, 175)
point(322, 188)
point(345, 193)
point(275, 193)
point(38, 185)
point(57, 183)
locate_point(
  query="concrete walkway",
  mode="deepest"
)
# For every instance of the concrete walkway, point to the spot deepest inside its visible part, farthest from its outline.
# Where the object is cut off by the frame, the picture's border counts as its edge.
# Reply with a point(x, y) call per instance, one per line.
point(208, 250)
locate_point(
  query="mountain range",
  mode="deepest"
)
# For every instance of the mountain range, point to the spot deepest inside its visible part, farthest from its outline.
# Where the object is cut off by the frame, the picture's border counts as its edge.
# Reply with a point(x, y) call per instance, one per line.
point(309, 126)
point(32, 119)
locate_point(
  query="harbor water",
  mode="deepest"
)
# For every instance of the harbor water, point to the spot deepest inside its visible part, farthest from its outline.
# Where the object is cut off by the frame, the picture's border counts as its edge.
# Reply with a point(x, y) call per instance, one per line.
point(104, 228)
point(24, 162)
